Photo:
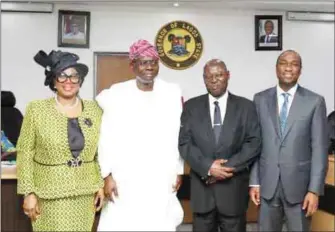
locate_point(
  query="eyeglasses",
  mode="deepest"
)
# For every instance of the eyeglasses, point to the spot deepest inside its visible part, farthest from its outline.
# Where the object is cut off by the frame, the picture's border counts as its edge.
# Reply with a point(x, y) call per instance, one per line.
point(74, 78)
point(147, 62)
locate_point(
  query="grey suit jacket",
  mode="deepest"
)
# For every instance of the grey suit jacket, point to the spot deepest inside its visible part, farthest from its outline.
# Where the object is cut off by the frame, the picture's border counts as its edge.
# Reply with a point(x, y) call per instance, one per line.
point(299, 157)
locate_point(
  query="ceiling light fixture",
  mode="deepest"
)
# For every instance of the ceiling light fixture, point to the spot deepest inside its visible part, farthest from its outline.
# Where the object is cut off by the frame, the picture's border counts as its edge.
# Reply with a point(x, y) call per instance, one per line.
point(176, 4)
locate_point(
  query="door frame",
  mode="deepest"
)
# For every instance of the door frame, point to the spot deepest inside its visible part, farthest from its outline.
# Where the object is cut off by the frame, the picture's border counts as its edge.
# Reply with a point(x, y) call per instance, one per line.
point(95, 66)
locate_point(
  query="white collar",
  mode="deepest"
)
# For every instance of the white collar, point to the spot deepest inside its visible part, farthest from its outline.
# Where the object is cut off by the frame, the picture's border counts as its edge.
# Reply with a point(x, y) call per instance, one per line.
point(221, 99)
point(291, 92)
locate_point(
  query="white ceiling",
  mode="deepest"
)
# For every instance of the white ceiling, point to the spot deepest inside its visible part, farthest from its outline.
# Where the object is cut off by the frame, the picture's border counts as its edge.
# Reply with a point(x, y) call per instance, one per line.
point(273, 5)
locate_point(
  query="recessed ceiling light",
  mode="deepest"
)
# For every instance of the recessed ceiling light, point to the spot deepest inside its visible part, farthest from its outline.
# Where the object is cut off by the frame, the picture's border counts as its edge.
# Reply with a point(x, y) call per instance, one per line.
point(176, 4)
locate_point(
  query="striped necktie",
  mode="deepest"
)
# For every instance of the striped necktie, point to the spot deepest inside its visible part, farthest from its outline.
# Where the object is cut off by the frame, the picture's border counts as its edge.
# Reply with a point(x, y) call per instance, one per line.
point(283, 113)
point(217, 121)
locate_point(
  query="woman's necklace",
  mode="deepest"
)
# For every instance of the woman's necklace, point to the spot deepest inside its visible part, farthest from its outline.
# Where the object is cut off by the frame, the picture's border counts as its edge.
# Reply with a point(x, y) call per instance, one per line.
point(67, 106)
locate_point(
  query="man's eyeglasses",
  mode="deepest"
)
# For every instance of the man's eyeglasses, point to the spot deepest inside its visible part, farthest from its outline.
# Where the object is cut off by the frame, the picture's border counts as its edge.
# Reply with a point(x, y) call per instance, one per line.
point(74, 78)
point(147, 62)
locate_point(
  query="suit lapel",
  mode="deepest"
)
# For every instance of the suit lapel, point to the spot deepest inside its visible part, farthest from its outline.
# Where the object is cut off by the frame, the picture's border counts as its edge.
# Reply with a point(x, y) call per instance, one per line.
point(273, 110)
point(228, 122)
point(206, 122)
point(295, 110)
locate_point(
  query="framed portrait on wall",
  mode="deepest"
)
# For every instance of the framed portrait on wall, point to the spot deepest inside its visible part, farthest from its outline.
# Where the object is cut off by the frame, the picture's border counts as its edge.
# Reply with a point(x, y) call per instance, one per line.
point(74, 29)
point(268, 32)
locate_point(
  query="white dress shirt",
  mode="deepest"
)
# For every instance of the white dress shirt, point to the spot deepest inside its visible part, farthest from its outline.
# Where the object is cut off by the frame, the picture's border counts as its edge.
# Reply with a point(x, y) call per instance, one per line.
point(280, 97)
point(280, 102)
point(222, 104)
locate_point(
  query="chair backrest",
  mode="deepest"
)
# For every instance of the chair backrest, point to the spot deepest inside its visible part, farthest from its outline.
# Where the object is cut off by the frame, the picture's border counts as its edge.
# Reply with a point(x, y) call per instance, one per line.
point(11, 117)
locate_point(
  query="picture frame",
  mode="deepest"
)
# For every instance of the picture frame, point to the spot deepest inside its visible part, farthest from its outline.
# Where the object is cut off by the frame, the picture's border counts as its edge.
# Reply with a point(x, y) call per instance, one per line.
point(74, 29)
point(268, 33)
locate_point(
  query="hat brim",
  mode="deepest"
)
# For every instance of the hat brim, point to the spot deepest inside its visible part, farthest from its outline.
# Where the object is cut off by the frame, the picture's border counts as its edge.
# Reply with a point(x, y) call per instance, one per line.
point(82, 69)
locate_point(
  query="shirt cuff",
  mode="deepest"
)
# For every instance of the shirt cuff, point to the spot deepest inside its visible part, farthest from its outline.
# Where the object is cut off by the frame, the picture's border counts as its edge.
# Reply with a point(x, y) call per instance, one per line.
point(254, 185)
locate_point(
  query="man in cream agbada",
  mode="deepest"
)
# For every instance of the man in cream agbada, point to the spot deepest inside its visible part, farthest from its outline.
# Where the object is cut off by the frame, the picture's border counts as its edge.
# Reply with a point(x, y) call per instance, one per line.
point(138, 148)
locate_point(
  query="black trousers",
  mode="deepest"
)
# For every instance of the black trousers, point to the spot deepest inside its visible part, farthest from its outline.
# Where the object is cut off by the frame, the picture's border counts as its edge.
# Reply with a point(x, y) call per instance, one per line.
point(214, 221)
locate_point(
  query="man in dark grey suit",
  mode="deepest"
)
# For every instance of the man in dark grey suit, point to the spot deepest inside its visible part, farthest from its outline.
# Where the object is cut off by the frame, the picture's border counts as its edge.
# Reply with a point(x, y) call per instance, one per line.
point(289, 176)
point(219, 139)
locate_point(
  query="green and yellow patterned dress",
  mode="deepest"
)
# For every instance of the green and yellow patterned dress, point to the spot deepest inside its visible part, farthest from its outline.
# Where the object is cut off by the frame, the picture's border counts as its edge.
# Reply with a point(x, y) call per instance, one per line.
point(65, 184)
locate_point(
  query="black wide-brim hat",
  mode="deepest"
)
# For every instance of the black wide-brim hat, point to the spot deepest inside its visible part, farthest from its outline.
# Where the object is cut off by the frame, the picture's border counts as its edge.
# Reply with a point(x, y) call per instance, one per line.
point(58, 61)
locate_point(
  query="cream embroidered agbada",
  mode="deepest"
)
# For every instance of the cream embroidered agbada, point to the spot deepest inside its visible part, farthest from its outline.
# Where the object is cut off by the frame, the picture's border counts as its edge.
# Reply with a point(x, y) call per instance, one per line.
point(139, 146)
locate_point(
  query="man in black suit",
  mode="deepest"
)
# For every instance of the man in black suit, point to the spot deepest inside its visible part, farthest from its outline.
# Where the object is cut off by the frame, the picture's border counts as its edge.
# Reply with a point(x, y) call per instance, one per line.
point(269, 36)
point(219, 139)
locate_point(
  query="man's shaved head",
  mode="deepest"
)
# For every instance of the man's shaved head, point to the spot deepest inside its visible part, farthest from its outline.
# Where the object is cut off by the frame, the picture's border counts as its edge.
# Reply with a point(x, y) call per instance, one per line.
point(288, 69)
point(289, 51)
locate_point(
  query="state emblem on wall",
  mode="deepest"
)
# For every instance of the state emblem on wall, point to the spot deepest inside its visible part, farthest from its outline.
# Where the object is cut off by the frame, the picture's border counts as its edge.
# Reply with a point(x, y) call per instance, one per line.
point(179, 45)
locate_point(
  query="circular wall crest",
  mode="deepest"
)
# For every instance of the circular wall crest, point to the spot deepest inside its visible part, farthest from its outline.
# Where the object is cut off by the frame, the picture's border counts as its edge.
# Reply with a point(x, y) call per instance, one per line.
point(179, 45)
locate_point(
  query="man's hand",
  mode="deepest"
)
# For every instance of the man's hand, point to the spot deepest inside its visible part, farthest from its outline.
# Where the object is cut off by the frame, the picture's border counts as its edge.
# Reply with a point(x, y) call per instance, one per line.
point(310, 204)
point(219, 172)
point(178, 183)
point(31, 207)
point(110, 188)
point(211, 180)
point(254, 193)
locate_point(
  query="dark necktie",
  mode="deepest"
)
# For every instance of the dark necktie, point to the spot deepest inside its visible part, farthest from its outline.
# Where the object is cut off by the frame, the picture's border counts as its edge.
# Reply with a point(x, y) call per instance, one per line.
point(217, 121)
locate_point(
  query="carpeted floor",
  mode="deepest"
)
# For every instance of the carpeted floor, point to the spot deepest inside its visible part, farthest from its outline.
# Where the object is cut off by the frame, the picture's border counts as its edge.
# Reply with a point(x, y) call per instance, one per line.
point(188, 227)
point(250, 227)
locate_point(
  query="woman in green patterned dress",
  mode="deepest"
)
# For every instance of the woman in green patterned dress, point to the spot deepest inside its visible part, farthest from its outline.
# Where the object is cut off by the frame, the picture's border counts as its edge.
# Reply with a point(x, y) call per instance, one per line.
point(58, 173)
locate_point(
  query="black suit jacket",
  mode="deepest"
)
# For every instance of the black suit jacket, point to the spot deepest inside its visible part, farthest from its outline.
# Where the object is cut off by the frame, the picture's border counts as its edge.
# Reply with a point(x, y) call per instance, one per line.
point(273, 39)
point(240, 143)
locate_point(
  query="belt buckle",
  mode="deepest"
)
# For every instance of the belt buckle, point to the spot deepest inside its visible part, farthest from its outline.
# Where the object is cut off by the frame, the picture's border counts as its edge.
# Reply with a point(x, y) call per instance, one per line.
point(75, 162)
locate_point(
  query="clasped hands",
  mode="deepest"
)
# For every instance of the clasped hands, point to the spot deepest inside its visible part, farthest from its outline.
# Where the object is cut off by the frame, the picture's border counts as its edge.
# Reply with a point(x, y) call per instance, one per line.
point(219, 172)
